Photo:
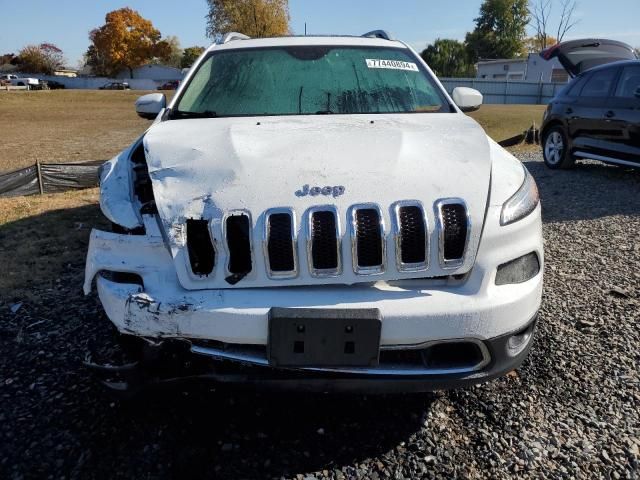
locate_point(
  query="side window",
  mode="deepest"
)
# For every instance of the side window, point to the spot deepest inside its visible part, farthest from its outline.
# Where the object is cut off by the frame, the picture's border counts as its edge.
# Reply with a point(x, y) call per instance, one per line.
point(629, 83)
point(573, 90)
point(599, 85)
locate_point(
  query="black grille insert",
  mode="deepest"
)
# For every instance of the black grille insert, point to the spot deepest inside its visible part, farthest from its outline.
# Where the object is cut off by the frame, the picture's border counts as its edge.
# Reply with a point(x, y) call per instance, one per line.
point(280, 242)
point(238, 229)
point(454, 224)
point(201, 253)
point(450, 355)
point(324, 244)
point(413, 234)
point(368, 238)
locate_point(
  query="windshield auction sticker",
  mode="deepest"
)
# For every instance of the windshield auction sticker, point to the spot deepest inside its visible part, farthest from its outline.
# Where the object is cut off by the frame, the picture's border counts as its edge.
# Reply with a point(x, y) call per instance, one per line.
point(392, 64)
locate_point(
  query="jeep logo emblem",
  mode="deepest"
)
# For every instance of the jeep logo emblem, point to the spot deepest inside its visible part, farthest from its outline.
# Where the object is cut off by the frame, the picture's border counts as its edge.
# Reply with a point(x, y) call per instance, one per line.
point(315, 191)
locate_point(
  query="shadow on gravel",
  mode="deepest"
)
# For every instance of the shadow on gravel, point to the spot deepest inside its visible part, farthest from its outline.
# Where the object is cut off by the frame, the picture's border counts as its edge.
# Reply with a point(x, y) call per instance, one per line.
point(241, 434)
point(590, 190)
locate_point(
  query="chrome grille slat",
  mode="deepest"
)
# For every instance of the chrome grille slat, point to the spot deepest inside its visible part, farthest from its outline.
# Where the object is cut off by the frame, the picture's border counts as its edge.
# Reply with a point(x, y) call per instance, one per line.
point(323, 247)
point(411, 236)
point(202, 255)
point(368, 242)
point(280, 243)
point(237, 232)
point(454, 228)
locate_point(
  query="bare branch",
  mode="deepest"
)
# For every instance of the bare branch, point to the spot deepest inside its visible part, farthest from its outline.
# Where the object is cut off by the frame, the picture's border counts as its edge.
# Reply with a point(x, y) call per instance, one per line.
point(541, 18)
point(567, 21)
point(540, 14)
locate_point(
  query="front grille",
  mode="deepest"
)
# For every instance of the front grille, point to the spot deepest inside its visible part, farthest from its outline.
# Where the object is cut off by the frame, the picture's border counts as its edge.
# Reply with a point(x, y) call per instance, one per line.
point(412, 236)
point(280, 244)
point(324, 246)
point(238, 230)
point(454, 228)
point(366, 231)
point(201, 252)
point(368, 240)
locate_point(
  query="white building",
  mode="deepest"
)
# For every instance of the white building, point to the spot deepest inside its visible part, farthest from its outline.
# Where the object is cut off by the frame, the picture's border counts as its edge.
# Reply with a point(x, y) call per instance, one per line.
point(533, 68)
point(158, 73)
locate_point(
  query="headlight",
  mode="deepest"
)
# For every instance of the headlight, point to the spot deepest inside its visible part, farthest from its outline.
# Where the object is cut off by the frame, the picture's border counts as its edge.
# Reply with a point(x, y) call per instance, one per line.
point(522, 203)
point(519, 270)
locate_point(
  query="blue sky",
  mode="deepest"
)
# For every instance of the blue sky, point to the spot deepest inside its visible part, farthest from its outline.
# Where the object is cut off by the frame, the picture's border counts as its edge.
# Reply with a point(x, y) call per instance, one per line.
point(67, 22)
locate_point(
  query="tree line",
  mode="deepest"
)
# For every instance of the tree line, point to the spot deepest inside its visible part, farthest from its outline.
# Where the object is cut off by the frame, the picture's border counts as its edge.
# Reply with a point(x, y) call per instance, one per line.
point(127, 40)
point(501, 32)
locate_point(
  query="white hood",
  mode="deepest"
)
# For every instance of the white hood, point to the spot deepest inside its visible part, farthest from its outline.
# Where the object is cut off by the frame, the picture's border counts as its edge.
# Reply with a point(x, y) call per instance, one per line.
point(203, 168)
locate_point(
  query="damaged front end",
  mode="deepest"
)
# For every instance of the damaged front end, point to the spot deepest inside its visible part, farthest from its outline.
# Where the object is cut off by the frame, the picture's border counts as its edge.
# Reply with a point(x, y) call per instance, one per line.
point(142, 363)
point(199, 258)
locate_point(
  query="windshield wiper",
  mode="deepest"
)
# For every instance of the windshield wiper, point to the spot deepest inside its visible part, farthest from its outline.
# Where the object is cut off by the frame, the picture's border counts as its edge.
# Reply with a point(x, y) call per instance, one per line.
point(178, 114)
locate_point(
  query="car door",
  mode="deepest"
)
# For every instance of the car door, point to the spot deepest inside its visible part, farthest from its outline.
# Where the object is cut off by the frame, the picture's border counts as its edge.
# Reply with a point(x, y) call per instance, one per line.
point(623, 115)
point(587, 125)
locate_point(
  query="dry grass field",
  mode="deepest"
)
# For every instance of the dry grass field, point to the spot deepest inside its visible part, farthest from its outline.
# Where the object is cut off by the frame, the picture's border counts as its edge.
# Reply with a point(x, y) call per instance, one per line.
point(65, 126)
point(505, 121)
point(82, 125)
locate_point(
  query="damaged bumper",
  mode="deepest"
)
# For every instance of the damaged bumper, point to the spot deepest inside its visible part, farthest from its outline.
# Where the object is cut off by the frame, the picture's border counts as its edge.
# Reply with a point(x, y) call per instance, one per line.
point(174, 362)
point(490, 326)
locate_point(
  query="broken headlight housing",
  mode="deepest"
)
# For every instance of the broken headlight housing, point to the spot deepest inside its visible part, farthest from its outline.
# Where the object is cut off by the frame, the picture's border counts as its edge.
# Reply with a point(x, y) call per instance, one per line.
point(521, 203)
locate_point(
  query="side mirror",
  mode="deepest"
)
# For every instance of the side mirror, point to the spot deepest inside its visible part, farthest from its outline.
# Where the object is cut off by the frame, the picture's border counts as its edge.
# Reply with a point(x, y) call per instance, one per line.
point(637, 93)
point(150, 105)
point(467, 99)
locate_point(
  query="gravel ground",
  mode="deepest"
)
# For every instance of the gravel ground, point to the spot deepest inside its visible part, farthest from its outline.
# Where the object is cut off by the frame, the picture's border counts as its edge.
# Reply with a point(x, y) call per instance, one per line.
point(571, 411)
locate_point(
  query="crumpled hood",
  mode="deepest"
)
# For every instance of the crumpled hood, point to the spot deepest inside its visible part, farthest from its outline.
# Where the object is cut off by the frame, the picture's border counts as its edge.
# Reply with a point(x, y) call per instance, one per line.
point(203, 168)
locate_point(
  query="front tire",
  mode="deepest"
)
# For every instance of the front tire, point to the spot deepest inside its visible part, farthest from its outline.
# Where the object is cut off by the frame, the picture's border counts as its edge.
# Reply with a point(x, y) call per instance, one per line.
point(555, 149)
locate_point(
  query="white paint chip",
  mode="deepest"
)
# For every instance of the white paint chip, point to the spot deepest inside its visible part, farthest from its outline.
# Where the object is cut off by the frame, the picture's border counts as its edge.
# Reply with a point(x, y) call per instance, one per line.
point(391, 64)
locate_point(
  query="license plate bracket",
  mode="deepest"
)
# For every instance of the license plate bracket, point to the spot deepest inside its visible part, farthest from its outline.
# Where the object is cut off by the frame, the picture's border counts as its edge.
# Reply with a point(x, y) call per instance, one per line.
point(308, 337)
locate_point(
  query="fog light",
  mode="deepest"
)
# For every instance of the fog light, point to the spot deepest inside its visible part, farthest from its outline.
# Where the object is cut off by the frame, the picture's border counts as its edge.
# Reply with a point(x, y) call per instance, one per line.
point(519, 270)
point(518, 342)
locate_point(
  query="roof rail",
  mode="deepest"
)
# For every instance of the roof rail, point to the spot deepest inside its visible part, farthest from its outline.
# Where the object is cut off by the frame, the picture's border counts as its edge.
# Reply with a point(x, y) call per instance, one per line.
point(378, 34)
point(231, 36)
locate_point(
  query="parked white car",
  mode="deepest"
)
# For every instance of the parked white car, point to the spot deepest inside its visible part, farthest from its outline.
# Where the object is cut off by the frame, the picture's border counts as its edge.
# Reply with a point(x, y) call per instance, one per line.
point(16, 81)
point(317, 213)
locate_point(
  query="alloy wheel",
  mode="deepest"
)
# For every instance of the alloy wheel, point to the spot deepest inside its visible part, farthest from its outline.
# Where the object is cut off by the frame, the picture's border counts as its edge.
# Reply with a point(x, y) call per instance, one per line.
point(554, 148)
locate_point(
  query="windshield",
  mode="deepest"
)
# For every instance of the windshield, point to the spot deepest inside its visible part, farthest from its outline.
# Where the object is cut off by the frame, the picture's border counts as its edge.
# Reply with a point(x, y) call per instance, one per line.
point(310, 80)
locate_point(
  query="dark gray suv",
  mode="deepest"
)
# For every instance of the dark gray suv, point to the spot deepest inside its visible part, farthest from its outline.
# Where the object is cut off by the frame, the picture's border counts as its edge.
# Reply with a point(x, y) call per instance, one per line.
point(597, 116)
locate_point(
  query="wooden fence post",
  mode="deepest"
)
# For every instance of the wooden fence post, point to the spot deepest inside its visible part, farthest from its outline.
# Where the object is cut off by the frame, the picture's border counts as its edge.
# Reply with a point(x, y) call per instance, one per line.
point(39, 176)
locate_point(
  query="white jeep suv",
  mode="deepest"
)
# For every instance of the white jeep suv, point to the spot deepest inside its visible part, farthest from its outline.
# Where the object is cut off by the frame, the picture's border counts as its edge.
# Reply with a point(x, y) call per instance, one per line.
point(317, 213)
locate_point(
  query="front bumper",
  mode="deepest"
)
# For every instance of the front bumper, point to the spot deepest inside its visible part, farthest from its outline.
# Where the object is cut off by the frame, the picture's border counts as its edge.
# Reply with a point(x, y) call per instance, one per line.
point(189, 365)
point(414, 312)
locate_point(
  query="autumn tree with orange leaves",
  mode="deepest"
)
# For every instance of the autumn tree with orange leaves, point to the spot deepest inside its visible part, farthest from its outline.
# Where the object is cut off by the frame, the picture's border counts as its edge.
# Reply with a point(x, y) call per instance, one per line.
point(126, 41)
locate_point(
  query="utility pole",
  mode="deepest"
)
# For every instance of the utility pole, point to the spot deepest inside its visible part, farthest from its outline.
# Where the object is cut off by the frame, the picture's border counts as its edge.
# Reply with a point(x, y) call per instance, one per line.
point(305, 29)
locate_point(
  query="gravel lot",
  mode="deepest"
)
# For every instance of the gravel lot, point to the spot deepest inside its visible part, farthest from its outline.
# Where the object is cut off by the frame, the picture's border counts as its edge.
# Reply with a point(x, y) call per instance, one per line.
point(572, 410)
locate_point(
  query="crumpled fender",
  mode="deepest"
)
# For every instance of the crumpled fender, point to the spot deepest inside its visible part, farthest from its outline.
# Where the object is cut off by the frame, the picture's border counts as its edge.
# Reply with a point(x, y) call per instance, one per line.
point(116, 191)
